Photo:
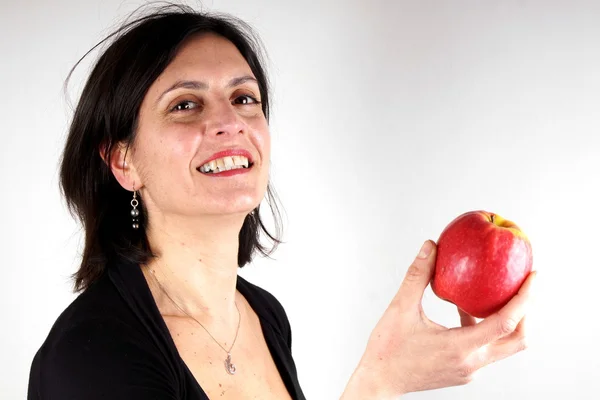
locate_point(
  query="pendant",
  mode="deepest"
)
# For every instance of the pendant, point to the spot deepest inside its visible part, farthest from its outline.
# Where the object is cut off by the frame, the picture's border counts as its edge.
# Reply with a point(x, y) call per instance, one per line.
point(229, 366)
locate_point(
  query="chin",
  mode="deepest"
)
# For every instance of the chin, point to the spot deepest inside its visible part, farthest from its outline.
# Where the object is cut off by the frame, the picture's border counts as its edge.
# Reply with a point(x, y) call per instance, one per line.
point(241, 209)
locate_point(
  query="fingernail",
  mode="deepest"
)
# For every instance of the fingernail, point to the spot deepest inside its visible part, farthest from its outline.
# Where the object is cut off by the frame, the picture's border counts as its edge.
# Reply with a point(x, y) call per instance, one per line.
point(533, 279)
point(425, 250)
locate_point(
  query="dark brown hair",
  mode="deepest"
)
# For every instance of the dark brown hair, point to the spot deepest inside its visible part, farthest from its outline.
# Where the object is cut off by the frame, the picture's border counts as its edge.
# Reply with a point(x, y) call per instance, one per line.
point(106, 116)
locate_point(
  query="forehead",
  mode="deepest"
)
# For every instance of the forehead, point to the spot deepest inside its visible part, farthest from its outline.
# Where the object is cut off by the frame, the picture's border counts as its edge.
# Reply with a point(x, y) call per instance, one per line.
point(205, 57)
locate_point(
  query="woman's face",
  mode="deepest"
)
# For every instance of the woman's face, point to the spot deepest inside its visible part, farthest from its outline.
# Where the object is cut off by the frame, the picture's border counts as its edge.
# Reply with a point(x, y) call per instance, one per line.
point(206, 101)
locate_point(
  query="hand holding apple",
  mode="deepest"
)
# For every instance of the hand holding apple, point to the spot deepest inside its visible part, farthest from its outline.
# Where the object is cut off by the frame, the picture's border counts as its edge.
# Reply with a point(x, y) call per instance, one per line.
point(482, 261)
point(407, 352)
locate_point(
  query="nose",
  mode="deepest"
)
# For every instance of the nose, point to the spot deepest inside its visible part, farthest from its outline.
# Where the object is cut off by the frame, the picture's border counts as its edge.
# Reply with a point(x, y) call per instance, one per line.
point(222, 119)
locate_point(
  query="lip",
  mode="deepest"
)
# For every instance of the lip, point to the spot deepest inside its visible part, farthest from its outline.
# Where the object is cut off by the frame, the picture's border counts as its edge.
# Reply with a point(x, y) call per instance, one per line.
point(229, 153)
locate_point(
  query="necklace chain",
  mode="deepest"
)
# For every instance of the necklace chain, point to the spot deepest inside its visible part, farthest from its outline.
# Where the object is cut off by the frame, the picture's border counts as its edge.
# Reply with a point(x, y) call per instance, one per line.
point(229, 366)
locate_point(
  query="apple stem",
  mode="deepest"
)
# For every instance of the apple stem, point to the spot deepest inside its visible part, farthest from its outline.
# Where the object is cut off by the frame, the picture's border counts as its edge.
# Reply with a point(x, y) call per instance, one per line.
point(492, 218)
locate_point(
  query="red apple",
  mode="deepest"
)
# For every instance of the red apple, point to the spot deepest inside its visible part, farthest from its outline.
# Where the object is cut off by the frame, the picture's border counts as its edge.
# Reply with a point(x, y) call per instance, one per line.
point(482, 261)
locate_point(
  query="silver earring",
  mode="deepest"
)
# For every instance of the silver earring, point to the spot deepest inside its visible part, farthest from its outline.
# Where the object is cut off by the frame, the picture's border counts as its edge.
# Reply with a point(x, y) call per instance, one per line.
point(135, 213)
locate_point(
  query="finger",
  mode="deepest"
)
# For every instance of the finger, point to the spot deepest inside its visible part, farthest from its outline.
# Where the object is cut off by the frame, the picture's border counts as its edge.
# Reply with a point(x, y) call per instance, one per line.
point(503, 322)
point(520, 331)
point(417, 277)
point(466, 319)
point(518, 334)
point(508, 345)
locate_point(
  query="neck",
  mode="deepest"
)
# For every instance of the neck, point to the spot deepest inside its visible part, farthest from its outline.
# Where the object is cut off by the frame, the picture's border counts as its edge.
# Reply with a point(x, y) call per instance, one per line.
point(196, 265)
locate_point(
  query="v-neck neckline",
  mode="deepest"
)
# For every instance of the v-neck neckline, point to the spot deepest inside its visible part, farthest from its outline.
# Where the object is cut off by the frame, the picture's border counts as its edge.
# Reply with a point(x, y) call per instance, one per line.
point(268, 329)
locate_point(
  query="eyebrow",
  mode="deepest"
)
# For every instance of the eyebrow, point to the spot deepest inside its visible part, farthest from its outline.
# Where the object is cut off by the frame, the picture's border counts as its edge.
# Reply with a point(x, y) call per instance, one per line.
point(198, 85)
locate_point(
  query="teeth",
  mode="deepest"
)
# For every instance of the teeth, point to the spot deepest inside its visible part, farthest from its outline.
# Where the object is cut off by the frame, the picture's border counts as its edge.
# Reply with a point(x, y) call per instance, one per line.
point(240, 160)
point(225, 164)
point(220, 165)
point(228, 161)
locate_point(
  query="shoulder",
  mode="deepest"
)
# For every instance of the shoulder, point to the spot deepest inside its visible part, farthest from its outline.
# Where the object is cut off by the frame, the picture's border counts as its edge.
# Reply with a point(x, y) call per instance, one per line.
point(267, 306)
point(96, 349)
point(97, 313)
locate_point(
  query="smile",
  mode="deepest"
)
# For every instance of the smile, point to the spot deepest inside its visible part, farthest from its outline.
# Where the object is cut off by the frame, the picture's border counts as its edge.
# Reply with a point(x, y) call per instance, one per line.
point(225, 164)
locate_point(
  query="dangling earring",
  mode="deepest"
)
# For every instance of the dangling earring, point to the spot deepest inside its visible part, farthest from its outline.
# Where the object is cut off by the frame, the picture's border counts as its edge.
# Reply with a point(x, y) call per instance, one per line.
point(135, 213)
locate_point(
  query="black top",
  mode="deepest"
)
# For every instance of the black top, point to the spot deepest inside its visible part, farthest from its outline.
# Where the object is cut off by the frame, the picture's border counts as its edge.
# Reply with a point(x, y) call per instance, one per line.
point(112, 343)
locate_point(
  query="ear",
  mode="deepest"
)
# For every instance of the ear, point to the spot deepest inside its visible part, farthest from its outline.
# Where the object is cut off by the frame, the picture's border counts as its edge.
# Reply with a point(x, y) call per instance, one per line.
point(121, 165)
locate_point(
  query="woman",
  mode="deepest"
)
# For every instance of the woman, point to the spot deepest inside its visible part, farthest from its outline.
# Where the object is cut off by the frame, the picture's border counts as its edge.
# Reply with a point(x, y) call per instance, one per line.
point(166, 164)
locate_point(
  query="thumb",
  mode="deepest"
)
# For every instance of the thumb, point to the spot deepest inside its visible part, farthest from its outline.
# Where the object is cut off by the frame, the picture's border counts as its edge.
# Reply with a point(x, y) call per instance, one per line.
point(417, 277)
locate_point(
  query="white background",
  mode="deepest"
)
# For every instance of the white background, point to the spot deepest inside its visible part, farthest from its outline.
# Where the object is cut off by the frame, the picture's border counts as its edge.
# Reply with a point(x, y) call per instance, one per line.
point(389, 119)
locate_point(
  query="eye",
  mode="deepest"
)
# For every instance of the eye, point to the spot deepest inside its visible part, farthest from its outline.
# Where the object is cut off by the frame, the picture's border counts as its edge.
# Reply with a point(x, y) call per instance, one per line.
point(185, 105)
point(246, 99)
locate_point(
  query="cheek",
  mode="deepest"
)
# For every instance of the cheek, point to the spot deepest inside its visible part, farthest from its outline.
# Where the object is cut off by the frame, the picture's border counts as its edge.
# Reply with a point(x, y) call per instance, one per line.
point(178, 142)
point(165, 152)
point(264, 146)
point(262, 137)
point(180, 145)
